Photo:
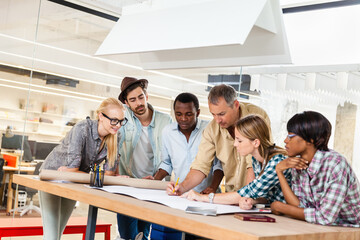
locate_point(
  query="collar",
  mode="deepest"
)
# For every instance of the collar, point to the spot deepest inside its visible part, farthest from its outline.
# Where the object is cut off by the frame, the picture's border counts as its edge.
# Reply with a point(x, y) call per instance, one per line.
point(197, 127)
point(225, 133)
point(93, 127)
point(243, 110)
point(315, 164)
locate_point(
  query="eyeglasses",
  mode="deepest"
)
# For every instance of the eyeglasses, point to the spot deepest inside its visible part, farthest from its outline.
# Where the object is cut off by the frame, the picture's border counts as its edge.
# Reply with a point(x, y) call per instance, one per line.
point(114, 121)
point(290, 136)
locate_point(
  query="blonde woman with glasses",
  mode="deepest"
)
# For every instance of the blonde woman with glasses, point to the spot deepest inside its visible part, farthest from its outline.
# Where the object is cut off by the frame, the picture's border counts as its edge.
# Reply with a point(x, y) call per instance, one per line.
point(89, 142)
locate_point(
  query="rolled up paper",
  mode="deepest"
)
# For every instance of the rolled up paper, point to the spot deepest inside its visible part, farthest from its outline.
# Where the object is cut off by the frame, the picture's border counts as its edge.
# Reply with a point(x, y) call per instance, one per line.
point(77, 177)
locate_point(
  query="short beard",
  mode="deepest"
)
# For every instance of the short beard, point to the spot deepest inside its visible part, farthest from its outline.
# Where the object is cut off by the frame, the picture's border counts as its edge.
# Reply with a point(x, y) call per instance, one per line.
point(137, 112)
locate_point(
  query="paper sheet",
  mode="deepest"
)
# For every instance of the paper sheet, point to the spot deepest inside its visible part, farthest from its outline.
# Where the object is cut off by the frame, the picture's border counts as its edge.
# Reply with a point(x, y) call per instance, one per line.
point(177, 202)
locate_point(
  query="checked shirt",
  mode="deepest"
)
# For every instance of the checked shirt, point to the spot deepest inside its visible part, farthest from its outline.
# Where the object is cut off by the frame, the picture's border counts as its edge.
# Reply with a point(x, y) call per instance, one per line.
point(328, 190)
point(266, 185)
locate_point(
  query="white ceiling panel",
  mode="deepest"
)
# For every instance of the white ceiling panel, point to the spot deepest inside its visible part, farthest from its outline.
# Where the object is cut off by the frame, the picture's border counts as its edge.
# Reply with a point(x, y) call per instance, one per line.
point(201, 34)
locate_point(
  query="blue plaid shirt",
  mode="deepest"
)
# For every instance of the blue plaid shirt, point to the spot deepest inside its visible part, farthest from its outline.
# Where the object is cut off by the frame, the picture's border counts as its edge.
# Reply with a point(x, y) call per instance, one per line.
point(266, 185)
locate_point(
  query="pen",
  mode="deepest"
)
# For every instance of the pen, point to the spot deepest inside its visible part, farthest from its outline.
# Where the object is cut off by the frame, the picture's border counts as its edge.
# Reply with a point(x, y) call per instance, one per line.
point(177, 181)
point(97, 176)
point(100, 183)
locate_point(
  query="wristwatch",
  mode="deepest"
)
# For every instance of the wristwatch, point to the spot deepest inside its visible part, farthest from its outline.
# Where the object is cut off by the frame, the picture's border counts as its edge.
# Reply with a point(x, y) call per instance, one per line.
point(211, 197)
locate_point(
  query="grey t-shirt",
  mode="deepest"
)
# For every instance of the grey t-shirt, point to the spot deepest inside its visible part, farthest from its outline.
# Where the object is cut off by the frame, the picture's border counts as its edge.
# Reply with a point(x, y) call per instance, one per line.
point(79, 149)
point(143, 157)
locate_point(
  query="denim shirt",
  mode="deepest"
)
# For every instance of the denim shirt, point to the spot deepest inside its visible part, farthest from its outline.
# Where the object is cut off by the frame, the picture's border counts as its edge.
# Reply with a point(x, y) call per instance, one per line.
point(130, 135)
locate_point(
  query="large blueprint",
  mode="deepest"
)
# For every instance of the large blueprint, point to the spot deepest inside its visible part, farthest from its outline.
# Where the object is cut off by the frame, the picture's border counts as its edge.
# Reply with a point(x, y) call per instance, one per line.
point(177, 202)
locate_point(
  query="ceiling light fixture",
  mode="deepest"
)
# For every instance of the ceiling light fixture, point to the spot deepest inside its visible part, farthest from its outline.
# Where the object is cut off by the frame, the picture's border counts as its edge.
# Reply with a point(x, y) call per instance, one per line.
point(82, 69)
point(113, 62)
point(51, 93)
point(70, 96)
point(50, 88)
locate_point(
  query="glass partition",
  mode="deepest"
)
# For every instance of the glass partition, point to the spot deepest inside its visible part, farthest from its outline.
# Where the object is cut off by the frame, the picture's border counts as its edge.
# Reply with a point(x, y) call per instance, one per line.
point(50, 79)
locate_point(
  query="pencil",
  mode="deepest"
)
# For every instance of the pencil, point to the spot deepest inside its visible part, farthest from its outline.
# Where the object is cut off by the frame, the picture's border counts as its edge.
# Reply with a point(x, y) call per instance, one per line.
point(177, 181)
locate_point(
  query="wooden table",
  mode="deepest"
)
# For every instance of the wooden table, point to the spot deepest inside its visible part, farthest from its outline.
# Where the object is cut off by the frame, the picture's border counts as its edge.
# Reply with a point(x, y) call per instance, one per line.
point(10, 171)
point(219, 227)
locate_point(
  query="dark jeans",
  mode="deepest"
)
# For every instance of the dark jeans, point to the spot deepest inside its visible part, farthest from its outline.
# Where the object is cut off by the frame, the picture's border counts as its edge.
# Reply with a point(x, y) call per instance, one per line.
point(129, 227)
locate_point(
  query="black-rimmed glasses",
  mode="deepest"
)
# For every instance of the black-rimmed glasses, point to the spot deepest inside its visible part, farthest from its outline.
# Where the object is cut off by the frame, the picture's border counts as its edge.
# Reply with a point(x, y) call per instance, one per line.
point(114, 121)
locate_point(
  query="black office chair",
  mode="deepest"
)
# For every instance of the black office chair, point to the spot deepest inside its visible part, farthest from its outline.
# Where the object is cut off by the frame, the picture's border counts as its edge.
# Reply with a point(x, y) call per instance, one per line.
point(30, 193)
point(2, 161)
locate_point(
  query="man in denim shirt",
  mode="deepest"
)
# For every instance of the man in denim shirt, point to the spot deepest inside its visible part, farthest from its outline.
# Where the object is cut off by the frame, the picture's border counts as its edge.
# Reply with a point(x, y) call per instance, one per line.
point(140, 144)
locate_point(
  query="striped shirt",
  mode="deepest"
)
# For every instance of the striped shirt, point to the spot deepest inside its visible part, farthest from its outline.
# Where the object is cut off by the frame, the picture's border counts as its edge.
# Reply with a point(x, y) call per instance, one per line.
point(266, 185)
point(328, 190)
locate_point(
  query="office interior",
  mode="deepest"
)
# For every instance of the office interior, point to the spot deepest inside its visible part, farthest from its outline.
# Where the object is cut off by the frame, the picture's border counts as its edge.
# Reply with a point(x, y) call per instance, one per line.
point(51, 77)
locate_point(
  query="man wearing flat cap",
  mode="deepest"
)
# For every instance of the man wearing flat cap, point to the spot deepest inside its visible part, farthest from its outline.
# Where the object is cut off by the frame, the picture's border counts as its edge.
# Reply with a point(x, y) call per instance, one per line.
point(140, 144)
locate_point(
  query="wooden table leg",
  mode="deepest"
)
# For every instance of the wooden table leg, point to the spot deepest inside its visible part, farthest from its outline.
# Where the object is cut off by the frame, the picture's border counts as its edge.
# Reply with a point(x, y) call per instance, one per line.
point(9, 194)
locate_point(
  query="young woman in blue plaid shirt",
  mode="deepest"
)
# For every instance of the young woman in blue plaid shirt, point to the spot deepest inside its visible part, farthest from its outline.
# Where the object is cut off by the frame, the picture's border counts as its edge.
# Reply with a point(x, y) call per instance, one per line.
point(252, 136)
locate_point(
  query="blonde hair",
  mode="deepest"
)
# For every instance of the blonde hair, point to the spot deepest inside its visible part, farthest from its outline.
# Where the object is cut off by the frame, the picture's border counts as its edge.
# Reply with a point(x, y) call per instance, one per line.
point(110, 140)
point(254, 127)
